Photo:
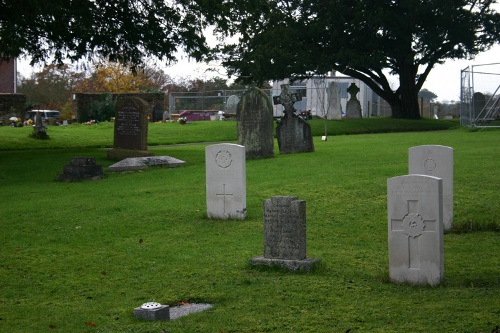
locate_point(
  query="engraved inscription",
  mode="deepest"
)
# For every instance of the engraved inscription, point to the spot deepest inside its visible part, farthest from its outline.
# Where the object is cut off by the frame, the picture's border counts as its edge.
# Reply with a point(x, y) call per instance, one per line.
point(128, 122)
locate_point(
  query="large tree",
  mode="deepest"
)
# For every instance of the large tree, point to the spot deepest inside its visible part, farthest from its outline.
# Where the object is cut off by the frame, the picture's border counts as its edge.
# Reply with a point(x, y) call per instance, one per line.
point(119, 30)
point(366, 39)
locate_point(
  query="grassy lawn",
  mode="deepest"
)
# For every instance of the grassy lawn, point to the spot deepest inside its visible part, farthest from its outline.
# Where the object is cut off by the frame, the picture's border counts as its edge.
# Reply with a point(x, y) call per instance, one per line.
point(78, 257)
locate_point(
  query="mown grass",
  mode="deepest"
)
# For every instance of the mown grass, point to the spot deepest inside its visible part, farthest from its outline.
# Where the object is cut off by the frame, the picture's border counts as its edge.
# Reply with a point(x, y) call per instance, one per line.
point(77, 254)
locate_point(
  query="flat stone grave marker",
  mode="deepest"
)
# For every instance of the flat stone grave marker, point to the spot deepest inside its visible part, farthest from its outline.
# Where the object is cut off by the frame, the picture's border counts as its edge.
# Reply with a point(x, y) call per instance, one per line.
point(225, 181)
point(141, 163)
point(415, 228)
point(285, 234)
point(81, 168)
point(255, 124)
point(435, 160)
point(131, 129)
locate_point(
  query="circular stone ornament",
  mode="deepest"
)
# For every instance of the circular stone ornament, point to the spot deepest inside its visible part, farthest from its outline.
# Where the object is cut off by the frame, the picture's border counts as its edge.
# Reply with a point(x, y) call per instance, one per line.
point(413, 225)
point(151, 305)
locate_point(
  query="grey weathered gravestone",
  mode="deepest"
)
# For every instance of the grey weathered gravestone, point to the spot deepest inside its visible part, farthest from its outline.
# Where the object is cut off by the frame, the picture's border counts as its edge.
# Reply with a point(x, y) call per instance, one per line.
point(437, 161)
point(255, 124)
point(141, 163)
point(415, 228)
point(232, 104)
point(131, 129)
point(285, 234)
point(81, 168)
point(225, 181)
point(353, 107)
point(334, 111)
point(293, 132)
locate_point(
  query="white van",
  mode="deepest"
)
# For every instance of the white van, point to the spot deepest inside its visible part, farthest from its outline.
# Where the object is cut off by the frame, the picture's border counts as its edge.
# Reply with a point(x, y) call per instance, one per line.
point(45, 114)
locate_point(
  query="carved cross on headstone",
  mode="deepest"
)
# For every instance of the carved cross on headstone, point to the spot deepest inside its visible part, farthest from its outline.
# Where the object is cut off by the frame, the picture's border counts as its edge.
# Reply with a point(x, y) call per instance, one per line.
point(224, 195)
point(413, 225)
point(353, 91)
point(287, 99)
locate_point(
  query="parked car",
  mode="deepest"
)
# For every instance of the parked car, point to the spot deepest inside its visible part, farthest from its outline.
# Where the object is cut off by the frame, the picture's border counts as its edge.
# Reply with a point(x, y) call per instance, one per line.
point(46, 115)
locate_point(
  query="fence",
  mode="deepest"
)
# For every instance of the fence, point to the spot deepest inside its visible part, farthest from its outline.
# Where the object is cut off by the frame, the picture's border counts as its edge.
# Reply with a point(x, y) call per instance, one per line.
point(480, 95)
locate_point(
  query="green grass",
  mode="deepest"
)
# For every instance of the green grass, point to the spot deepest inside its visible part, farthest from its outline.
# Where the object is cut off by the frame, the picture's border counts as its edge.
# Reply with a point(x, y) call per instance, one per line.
point(71, 253)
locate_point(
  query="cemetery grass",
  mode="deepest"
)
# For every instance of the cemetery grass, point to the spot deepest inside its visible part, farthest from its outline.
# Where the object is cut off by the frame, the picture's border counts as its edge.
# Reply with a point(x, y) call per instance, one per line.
point(78, 257)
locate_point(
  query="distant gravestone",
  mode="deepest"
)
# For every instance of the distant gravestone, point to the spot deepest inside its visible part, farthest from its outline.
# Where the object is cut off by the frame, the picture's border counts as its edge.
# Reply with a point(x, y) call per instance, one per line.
point(353, 107)
point(293, 132)
point(131, 129)
point(334, 111)
point(415, 227)
point(232, 104)
point(225, 181)
point(255, 124)
point(285, 234)
point(81, 168)
point(437, 161)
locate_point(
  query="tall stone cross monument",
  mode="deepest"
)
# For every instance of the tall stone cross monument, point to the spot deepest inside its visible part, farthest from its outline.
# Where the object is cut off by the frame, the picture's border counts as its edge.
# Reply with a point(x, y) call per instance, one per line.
point(293, 132)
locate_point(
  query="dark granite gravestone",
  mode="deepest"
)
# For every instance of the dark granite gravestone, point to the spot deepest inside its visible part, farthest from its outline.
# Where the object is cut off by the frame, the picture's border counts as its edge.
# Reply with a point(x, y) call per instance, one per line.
point(353, 107)
point(285, 234)
point(81, 168)
point(293, 131)
point(255, 124)
point(131, 129)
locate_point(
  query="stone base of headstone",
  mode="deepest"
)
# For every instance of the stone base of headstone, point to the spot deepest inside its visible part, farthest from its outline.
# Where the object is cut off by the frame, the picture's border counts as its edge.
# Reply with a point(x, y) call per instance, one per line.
point(118, 154)
point(39, 133)
point(294, 136)
point(292, 265)
point(353, 109)
point(161, 313)
point(81, 168)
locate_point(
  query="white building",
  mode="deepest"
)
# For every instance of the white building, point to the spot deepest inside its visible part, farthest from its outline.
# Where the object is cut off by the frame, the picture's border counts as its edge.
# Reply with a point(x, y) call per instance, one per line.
point(321, 99)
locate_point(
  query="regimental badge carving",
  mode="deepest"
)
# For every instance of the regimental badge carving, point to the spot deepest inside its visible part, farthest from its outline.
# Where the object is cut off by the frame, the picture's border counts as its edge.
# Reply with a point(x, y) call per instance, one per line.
point(413, 225)
point(223, 159)
point(430, 164)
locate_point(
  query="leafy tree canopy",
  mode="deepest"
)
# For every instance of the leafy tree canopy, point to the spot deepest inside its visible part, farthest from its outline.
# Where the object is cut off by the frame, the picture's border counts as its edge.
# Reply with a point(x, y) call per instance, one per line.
point(365, 39)
point(118, 30)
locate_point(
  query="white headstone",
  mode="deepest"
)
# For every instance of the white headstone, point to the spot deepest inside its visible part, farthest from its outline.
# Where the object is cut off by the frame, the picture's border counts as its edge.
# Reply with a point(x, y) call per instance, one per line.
point(226, 181)
point(437, 161)
point(334, 106)
point(415, 228)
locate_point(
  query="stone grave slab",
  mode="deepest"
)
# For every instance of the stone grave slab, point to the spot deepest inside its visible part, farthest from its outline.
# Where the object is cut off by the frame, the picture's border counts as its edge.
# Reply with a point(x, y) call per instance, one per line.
point(225, 181)
point(141, 163)
point(152, 311)
point(435, 160)
point(415, 229)
point(255, 124)
point(81, 168)
point(285, 234)
point(131, 129)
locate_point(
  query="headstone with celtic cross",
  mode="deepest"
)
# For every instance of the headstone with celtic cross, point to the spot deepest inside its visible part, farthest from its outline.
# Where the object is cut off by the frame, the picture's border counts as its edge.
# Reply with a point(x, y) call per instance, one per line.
point(437, 161)
point(353, 106)
point(293, 132)
point(225, 181)
point(415, 228)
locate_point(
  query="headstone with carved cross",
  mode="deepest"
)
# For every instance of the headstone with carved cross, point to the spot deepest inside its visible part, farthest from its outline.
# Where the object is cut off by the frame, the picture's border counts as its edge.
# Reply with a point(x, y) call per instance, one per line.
point(415, 228)
point(437, 161)
point(293, 132)
point(225, 181)
point(353, 106)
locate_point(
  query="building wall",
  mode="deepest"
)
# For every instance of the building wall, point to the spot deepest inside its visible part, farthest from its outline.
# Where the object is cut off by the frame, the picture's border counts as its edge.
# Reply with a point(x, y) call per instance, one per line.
point(8, 76)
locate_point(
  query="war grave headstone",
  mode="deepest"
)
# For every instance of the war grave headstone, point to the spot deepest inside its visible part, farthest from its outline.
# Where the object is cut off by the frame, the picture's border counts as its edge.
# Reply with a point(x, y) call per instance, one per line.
point(334, 111)
point(353, 107)
point(81, 168)
point(285, 235)
point(415, 229)
point(225, 181)
point(255, 124)
point(435, 160)
point(131, 129)
point(293, 132)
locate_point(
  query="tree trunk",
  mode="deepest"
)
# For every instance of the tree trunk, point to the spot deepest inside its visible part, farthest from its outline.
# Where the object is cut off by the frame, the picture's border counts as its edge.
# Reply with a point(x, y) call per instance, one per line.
point(408, 91)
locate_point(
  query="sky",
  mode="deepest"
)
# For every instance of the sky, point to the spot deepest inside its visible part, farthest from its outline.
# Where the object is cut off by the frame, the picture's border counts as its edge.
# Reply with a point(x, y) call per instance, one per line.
point(444, 80)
